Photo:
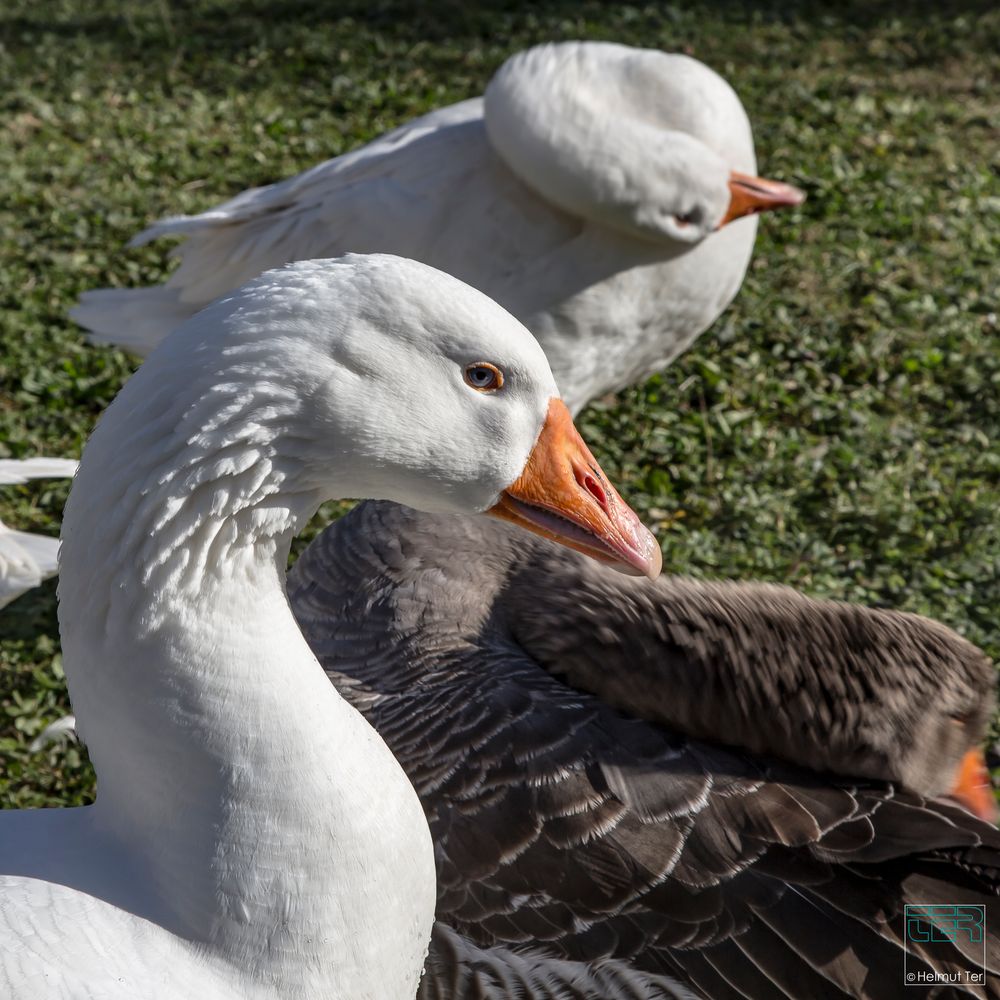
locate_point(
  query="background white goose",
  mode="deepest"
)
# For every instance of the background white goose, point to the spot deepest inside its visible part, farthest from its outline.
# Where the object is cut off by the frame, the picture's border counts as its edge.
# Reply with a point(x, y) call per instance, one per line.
point(236, 848)
point(585, 847)
point(584, 193)
point(26, 558)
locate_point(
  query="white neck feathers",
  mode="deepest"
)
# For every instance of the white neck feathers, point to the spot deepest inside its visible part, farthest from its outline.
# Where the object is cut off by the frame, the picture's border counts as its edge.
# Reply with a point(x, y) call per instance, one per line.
point(227, 764)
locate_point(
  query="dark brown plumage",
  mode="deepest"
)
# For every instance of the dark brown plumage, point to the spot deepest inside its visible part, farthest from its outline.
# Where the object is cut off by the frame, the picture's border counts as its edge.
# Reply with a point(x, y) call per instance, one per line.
point(831, 686)
point(584, 851)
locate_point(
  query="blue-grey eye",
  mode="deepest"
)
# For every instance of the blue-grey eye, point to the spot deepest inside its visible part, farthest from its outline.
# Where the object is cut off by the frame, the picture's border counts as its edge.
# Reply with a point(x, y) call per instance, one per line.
point(483, 377)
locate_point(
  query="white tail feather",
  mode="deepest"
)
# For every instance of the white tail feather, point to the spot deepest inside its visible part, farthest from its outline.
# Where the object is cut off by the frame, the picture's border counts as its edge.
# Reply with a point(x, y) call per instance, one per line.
point(14, 471)
point(135, 319)
point(55, 732)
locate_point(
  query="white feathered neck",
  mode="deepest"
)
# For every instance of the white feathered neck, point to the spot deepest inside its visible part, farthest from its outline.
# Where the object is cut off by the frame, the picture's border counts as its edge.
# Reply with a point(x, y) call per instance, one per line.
point(228, 767)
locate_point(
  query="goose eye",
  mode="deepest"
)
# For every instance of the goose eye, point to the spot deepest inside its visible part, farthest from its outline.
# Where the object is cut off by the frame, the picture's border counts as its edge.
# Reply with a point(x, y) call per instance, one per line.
point(483, 377)
point(686, 218)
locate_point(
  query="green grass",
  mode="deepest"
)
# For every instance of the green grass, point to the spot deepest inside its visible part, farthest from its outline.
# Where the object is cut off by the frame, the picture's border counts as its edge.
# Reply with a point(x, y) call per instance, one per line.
point(837, 430)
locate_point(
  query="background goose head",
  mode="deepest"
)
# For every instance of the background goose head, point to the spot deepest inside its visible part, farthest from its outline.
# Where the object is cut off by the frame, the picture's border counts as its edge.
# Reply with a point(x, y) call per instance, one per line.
point(648, 143)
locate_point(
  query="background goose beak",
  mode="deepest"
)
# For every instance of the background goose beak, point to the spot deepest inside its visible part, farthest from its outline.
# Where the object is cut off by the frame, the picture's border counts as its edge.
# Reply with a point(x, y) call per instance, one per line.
point(973, 788)
point(750, 194)
point(563, 495)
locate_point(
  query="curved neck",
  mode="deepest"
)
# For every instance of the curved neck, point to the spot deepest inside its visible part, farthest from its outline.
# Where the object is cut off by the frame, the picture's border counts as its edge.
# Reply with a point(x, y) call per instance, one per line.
point(555, 130)
point(227, 765)
point(619, 136)
point(759, 666)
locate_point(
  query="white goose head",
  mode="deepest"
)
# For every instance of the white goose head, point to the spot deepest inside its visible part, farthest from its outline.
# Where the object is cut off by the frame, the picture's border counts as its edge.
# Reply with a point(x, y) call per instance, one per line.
point(391, 380)
point(642, 141)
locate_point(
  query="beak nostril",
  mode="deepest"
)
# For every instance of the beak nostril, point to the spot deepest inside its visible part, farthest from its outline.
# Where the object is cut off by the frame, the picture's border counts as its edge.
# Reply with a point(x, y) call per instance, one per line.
point(562, 494)
point(595, 489)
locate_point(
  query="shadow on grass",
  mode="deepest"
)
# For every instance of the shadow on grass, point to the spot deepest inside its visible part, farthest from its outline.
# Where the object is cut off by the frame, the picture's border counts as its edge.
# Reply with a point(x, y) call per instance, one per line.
point(164, 31)
point(32, 614)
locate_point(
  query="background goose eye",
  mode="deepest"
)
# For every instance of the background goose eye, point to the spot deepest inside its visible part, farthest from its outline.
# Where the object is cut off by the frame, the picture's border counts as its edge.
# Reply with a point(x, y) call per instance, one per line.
point(686, 218)
point(483, 376)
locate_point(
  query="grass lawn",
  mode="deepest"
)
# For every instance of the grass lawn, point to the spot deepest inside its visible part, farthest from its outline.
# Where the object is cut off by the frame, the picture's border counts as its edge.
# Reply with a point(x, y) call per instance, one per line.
point(837, 430)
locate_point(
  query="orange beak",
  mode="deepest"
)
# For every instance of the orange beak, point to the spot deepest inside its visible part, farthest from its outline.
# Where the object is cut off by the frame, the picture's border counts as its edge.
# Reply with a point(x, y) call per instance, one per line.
point(563, 495)
point(973, 788)
point(749, 195)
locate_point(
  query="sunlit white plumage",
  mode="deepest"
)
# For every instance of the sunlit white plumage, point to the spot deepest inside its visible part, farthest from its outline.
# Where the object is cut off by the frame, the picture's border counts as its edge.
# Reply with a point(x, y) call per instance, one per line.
point(15, 471)
point(252, 836)
point(26, 559)
point(61, 730)
point(583, 193)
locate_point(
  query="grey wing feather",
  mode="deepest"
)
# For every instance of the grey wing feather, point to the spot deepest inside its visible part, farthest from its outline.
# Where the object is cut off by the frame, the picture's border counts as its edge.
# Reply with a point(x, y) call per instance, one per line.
point(458, 968)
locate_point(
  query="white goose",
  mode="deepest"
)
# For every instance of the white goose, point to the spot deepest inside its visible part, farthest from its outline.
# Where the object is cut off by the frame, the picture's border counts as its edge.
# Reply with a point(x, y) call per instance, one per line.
point(26, 559)
point(252, 836)
point(585, 193)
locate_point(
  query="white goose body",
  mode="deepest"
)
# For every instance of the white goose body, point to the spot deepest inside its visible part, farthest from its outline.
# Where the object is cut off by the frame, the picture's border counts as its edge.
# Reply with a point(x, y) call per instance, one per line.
point(252, 836)
point(558, 195)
